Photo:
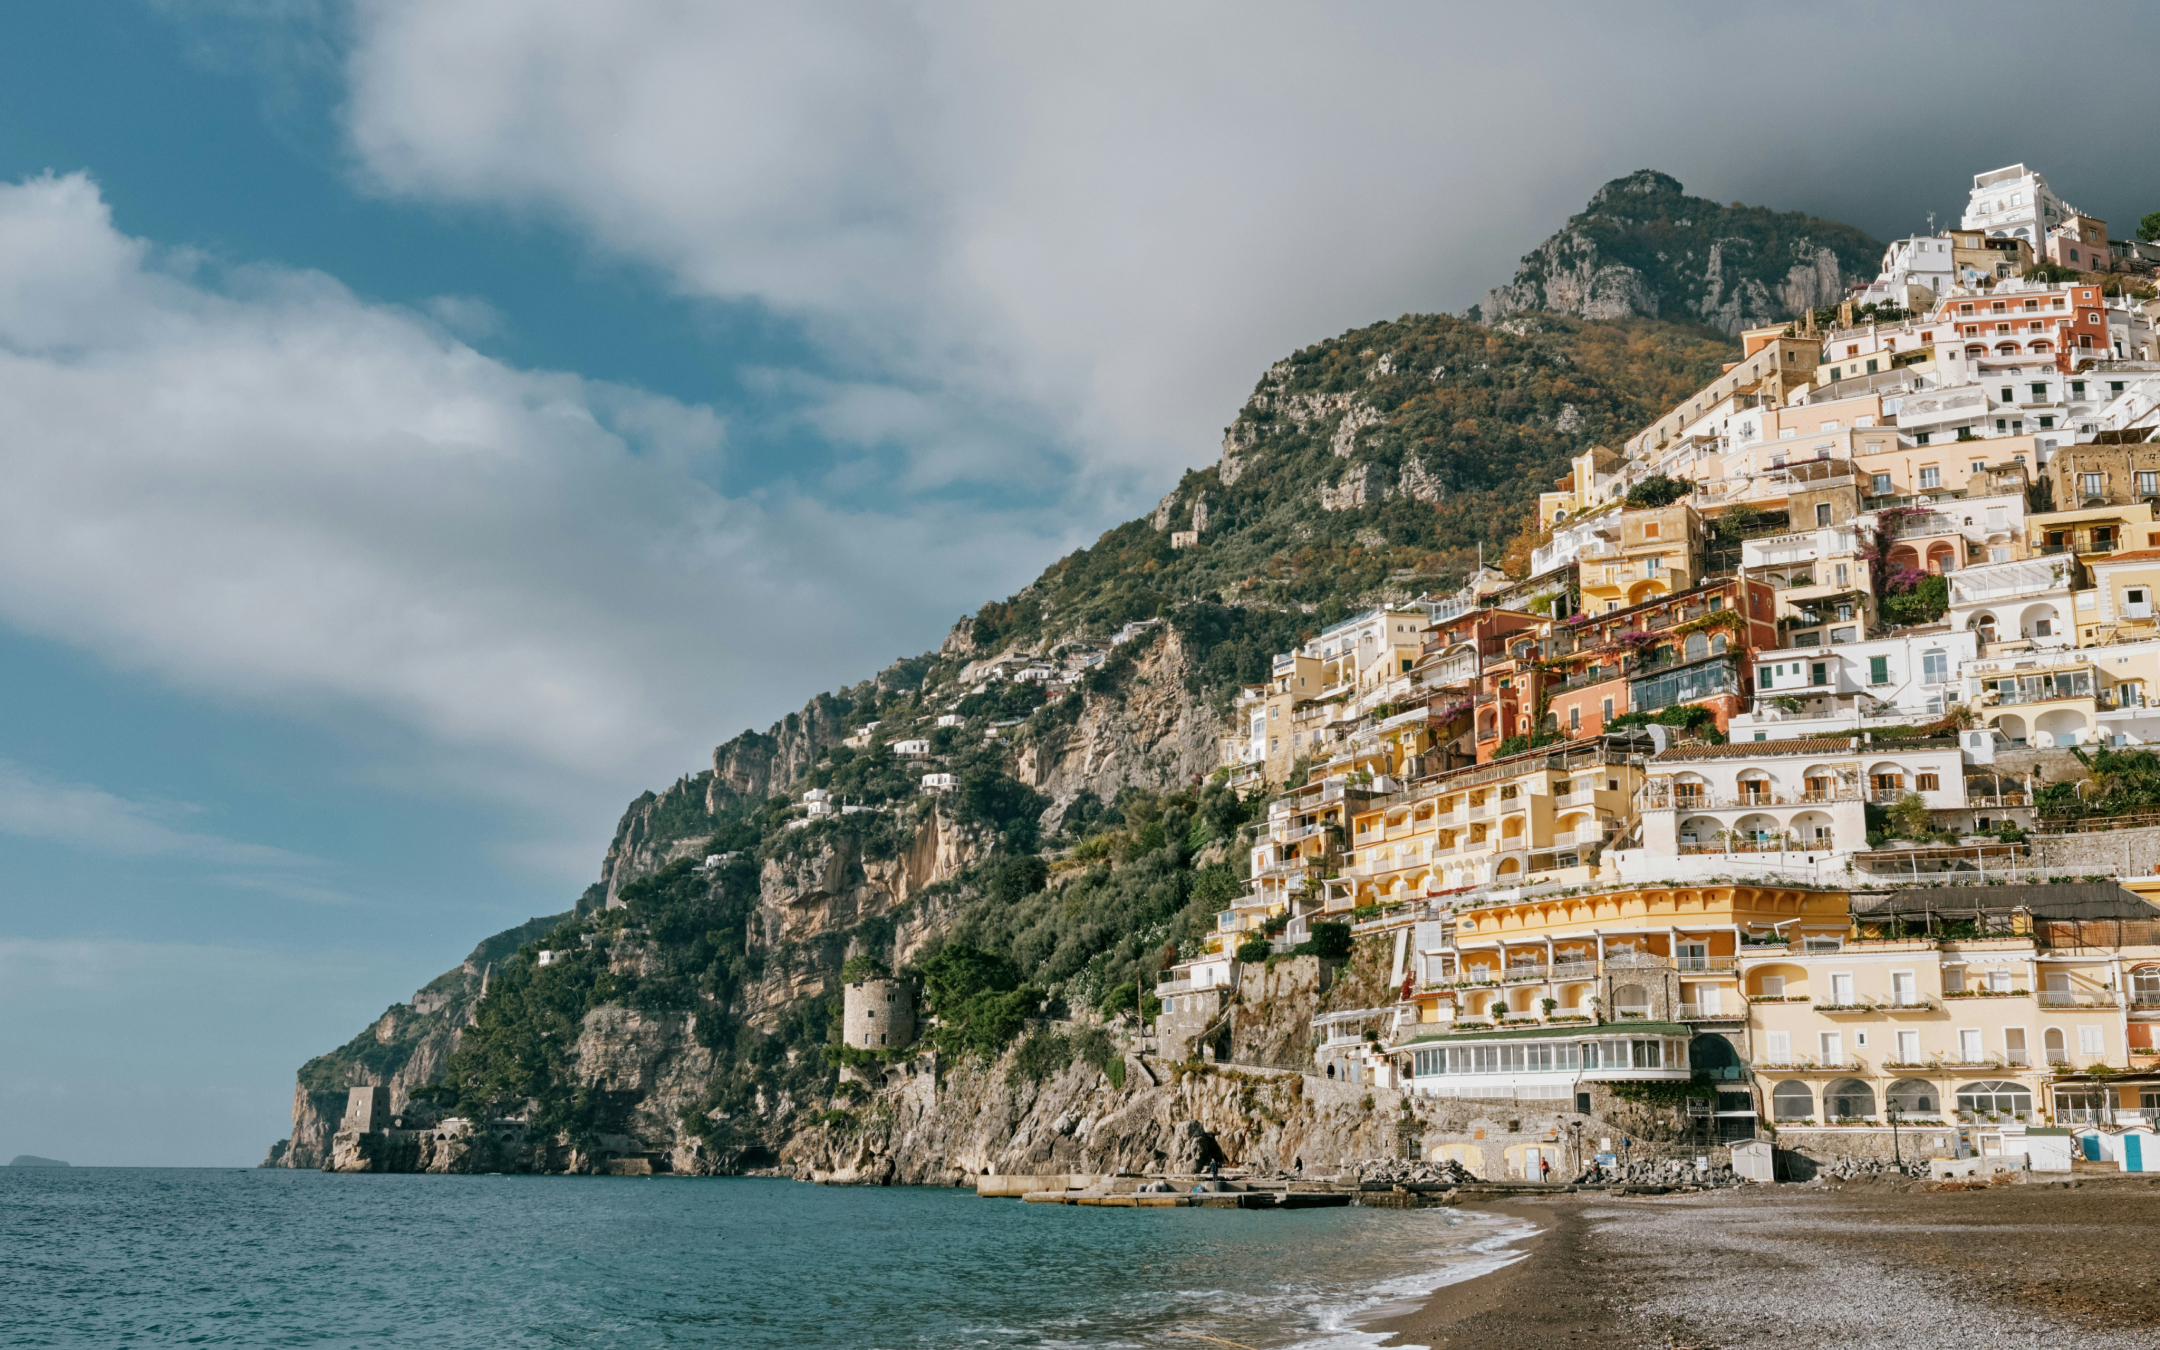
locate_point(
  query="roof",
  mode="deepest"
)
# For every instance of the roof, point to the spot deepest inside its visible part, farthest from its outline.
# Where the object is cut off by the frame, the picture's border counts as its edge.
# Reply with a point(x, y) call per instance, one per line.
point(1799, 745)
point(2136, 555)
point(2056, 900)
point(1559, 1033)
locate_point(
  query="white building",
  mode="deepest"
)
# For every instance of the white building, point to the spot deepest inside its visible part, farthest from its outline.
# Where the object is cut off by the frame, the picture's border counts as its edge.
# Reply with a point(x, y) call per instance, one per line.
point(1923, 261)
point(2025, 601)
point(1849, 688)
point(2015, 203)
point(1806, 797)
point(940, 782)
point(911, 749)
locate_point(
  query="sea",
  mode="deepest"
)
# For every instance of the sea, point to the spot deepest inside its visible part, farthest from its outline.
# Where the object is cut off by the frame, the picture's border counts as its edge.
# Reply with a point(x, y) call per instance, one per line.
point(111, 1257)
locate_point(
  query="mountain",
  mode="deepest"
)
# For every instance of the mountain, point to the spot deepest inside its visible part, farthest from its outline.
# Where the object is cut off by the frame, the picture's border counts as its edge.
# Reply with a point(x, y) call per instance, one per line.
point(1644, 247)
point(688, 1009)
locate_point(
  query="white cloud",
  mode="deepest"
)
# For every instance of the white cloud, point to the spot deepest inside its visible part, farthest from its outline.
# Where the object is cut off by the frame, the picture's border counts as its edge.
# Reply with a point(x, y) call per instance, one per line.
point(90, 818)
point(1115, 215)
point(251, 482)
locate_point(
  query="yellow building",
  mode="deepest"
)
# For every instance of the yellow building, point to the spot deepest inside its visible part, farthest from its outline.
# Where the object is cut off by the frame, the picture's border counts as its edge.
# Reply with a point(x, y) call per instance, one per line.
point(2087, 531)
point(1962, 1010)
point(1660, 553)
point(2121, 605)
point(1539, 816)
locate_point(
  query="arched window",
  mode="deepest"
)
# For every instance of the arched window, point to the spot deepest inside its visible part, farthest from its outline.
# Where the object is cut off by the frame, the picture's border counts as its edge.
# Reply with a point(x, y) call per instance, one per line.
point(1912, 1097)
point(1698, 646)
point(2057, 1052)
point(1791, 1100)
point(1996, 1098)
point(2145, 985)
point(1631, 1000)
point(1848, 1099)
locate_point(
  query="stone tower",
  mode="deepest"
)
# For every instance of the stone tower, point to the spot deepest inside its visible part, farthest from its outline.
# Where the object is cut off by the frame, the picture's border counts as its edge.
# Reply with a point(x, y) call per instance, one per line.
point(878, 1014)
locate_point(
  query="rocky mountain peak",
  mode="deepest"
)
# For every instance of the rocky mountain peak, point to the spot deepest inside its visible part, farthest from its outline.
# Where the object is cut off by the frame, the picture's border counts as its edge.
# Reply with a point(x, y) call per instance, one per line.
point(1644, 248)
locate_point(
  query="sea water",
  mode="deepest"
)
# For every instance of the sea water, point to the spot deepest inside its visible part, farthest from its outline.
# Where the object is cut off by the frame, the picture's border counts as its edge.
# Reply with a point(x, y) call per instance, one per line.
point(123, 1257)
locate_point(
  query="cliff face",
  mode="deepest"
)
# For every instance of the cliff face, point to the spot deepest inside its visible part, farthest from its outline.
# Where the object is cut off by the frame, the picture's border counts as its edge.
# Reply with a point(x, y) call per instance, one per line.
point(1643, 247)
point(685, 1012)
point(403, 1049)
point(1155, 733)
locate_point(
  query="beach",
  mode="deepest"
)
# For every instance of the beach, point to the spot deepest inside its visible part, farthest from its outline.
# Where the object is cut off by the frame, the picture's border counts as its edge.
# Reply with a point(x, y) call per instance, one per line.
point(1855, 1265)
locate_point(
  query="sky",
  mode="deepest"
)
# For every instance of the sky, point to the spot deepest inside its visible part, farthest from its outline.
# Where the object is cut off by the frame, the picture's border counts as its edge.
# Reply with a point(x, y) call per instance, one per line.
point(427, 424)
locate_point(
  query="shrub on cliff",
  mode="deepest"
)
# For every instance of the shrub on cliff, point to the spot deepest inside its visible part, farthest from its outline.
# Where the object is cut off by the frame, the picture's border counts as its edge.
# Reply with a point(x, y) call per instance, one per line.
point(978, 998)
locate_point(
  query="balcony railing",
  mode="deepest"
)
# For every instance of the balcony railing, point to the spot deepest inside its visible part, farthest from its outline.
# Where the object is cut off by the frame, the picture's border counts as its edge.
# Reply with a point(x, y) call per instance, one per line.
point(1703, 963)
point(1696, 1012)
point(2065, 998)
point(1657, 797)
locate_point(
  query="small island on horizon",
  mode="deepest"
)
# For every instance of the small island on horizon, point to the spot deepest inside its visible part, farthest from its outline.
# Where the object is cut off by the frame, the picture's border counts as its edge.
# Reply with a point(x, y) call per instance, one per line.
point(33, 1160)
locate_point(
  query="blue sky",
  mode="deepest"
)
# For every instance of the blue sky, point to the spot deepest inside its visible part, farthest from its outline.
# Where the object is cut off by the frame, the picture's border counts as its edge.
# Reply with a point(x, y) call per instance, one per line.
point(429, 424)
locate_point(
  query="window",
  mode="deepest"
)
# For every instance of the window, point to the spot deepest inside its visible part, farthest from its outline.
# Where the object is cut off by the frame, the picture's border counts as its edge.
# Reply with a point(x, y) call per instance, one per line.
point(1921, 437)
point(1931, 477)
point(1773, 986)
point(2039, 393)
point(1908, 1047)
point(1607, 710)
point(1574, 718)
point(1832, 1046)
point(1841, 990)
point(1650, 529)
point(1878, 670)
point(1934, 667)
point(1927, 782)
point(1969, 1046)
point(1791, 1100)
point(2091, 1041)
point(1880, 486)
point(2047, 421)
point(2014, 1048)
point(2137, 602)
point(1994, 1099)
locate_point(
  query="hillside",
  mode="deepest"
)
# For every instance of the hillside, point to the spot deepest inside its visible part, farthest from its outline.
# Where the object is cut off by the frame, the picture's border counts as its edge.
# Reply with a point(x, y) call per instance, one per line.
point(687, 1009)
point(1644, 247)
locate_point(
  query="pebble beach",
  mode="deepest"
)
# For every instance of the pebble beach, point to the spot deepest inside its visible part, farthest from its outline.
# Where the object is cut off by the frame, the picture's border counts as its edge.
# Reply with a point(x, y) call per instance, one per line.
point(1884, 1263)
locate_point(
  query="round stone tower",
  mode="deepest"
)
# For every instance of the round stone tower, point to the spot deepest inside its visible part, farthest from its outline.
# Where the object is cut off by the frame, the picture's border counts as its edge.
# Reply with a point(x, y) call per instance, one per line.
point(878, 1014)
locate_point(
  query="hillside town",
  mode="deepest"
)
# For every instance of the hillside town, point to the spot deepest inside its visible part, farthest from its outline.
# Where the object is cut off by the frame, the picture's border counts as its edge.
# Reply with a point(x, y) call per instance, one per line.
point(1749, 774)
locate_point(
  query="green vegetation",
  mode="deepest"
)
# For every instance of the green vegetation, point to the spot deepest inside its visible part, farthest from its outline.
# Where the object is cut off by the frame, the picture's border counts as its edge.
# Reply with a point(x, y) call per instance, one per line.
point(1659, 490)
point(2123, 782)
point(2148, 228)
point(1910, 599)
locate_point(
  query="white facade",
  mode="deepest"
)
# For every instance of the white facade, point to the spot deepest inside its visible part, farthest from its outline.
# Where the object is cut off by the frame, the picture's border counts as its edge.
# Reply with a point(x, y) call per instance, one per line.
point(2028, 601)
point(911, 749)
point(2015, 203)
point(940, 782)
point(1804, 797)
point(1826, 691)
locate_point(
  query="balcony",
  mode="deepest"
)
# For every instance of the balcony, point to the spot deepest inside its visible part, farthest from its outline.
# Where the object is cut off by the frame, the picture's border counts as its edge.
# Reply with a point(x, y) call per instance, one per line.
point(2066, 998)
point(1687, 964)
point(1694, 1012)
point(1574, 970)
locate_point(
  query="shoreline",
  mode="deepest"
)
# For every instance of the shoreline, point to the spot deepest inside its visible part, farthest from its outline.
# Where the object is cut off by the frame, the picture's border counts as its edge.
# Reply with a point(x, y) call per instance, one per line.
point(1853, 1265)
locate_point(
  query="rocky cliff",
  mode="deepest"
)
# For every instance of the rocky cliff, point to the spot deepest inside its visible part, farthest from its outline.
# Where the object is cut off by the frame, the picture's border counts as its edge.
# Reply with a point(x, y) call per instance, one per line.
point(1040, 849)
point(403, 1049)
point(1644, 247)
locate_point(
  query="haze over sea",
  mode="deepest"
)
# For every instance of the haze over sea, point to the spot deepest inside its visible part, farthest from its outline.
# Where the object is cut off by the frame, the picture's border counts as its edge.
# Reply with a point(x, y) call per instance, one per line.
point(116, 1257)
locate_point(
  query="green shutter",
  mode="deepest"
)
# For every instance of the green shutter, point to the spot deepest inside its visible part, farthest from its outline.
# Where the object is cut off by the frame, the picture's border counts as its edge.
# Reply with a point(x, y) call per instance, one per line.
point(1878, 670)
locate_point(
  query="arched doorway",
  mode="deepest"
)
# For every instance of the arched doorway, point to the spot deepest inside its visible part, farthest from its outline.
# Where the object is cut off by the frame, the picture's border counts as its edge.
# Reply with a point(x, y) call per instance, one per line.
point(1715, 1056)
